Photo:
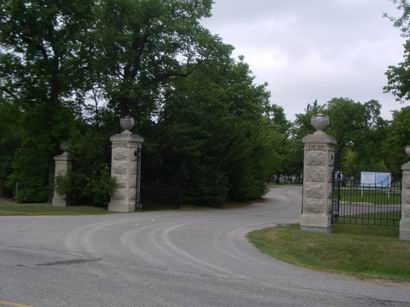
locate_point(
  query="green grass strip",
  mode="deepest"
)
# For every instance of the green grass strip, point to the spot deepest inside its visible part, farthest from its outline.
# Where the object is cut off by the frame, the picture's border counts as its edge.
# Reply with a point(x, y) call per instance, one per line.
point(372, 196)
point(362, 251)
point(8, 208)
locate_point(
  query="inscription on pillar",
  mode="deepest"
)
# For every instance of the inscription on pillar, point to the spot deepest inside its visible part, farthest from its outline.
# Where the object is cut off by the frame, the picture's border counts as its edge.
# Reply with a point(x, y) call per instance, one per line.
point(119, 144)
point(316, 147)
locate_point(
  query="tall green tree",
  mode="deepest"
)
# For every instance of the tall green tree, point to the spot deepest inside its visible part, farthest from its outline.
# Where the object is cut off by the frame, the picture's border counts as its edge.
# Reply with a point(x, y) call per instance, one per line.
point(140, 46)
point(42, 50)
point(63, 60)
point(398, 76)
point(397, 138)
point(70, 69)
point(10, 140)
point(213, 141)
point(398, 83)
point(41, 64)
point(358, 127)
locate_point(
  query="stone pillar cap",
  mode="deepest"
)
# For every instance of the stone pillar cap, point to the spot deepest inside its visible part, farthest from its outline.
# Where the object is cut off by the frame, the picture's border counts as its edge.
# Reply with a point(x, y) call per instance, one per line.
point(122, 137)
point(406, 166)
point(65, 156)
point(319, 137)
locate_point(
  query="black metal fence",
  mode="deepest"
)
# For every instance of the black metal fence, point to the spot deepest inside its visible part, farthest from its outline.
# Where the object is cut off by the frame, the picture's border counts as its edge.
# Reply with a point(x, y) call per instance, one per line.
point(376, 204)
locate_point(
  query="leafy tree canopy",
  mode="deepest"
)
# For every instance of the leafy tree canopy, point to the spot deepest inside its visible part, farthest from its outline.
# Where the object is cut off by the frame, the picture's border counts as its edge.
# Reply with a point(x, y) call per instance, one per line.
point(70, 69)
point(398, 76)
point(358, 128)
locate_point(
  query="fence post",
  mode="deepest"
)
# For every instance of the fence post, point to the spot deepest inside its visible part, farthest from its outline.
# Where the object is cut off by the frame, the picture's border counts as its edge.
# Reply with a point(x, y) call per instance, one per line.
point(319, 156)
point(126, 168)
point(62, 166)
point(405, 201)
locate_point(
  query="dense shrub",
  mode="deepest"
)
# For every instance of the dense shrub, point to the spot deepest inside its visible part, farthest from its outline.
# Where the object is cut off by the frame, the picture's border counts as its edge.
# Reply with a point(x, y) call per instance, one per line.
point(82, 190)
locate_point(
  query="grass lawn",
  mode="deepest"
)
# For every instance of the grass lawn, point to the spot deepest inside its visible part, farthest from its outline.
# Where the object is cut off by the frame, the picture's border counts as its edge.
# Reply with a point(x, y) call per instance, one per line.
point(8, 207)
point(375, 218)
point(357, 250)
point(373, 196)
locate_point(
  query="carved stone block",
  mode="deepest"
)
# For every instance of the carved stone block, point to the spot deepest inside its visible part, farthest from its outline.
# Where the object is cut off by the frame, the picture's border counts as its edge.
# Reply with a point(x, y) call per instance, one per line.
point(406, 211)
point(315, 173)
point(119, 194)
point(315, 206)
point(120, 154)
point(315, 158)
point(119, 167)
point(406, 180)
point(314, 190)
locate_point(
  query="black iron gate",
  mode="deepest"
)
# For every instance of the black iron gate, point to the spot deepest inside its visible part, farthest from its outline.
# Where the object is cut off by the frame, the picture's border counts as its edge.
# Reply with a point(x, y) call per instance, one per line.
point(375, 204)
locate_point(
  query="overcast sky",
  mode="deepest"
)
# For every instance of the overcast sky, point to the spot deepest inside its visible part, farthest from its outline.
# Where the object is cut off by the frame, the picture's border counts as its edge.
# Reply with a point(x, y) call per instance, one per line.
point(313, 49)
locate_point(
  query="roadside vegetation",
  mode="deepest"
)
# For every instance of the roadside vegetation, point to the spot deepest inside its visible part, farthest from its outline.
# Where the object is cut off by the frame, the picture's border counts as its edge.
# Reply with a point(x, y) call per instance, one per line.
point(211, 133)
point(12, 208)
point(70, 69)
point(373, 252)
point(8, 207)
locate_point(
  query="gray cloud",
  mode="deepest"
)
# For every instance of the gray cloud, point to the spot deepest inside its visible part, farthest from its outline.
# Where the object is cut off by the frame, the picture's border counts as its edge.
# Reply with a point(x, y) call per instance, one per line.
point(313, 49)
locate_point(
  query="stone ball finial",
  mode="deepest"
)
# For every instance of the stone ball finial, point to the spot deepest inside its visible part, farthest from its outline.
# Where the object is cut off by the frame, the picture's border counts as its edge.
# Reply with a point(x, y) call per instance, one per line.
point(320, 122)
point(407, 150)
point(127, 123)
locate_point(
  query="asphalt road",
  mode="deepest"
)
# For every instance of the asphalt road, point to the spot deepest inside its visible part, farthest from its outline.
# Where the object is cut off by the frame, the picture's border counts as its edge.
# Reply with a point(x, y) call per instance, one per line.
point(169, 258)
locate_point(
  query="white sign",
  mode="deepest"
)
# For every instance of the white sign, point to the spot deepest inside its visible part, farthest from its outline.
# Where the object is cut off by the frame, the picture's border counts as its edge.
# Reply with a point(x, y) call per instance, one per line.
point(376, 179)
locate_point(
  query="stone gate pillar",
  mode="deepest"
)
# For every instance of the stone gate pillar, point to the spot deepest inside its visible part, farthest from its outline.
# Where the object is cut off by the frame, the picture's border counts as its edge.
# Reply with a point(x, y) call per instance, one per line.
point(126, 168)
point(319, 156)
point(405, 201)
point(62, 166)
